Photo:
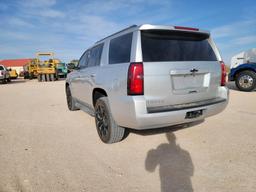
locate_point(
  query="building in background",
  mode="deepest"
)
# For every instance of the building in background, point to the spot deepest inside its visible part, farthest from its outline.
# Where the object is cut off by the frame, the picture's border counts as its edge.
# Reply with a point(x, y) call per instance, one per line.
point(16, 64)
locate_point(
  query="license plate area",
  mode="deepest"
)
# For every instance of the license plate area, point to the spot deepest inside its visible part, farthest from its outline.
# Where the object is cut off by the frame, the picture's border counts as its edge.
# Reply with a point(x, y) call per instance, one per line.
point(181, 82)
point(185, 82)
point(194, 114)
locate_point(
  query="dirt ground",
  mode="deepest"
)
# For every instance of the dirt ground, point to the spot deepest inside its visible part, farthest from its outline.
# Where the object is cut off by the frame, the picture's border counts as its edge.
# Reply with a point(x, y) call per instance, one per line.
point(45, 147)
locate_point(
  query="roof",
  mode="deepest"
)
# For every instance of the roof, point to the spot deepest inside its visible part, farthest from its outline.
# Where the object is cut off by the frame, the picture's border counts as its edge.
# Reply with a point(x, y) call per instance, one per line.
point(154, 27)
point(14, 62)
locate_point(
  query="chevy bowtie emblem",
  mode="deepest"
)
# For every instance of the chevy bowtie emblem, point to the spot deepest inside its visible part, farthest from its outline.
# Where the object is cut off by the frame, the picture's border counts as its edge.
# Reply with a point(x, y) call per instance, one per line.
point(193, 71)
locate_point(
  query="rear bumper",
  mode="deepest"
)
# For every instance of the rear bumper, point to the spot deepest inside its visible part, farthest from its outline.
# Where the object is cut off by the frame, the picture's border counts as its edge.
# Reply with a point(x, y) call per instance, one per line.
point(132, 112)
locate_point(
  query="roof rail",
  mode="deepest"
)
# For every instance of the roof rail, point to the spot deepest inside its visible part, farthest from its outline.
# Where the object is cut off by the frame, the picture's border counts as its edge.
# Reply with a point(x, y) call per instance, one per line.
point(132, 26)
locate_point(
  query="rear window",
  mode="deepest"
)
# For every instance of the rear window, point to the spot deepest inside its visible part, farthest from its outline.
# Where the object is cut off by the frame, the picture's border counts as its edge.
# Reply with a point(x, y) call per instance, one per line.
point(120, 49)
point(1, 68)
point(163, 45)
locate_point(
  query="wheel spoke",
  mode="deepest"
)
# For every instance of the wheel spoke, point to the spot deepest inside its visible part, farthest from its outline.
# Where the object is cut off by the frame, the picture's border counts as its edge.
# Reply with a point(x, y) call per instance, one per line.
point(101, 120)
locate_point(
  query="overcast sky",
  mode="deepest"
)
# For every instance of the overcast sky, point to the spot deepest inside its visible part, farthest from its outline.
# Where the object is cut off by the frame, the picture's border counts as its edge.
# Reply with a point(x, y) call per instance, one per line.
point(68, 28)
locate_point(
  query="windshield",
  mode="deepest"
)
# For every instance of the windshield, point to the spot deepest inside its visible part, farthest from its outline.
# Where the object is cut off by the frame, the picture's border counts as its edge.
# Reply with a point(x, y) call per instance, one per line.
point(61, 65)
point(163, 45)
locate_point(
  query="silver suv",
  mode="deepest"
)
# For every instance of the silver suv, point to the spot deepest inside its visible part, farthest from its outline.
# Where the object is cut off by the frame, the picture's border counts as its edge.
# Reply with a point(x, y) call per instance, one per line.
point(148, 76)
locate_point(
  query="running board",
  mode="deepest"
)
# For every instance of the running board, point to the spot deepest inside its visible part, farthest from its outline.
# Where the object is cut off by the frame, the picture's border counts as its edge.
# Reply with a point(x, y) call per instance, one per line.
point(84, 108)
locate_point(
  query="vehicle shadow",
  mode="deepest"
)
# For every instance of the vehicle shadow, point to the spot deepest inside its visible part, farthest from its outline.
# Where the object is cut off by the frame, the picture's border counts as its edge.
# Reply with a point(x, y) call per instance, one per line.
point(175, 165)
point(162, 129)
point(232, 85)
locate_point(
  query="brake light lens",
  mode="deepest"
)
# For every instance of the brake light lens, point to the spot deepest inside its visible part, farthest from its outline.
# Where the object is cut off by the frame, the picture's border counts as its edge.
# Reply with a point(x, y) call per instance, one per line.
point(186, 28)
point(223, 74)
point(135, 81)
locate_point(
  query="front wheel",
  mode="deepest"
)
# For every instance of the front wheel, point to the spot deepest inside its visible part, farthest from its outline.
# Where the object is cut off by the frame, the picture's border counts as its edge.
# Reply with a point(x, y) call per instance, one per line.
point(108, 130)
point(70, 100)
point(246, 81)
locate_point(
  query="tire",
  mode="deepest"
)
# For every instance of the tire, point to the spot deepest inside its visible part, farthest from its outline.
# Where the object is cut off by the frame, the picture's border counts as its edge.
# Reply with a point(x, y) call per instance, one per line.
point(108, 130)
point(39, 78)
point(70, 100)
point(31, 76)
point(47, 77)
point(51, 77)
point(5, 80)
point(43, 77)
point(246, 81)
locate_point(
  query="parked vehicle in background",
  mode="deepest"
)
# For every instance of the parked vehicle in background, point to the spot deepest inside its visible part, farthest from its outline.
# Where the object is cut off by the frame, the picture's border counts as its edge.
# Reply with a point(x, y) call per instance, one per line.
point(4, 74)
point(62, 70)
point(21, 74)
point(148, 76)
point(30, 69)
point(47, 69)
point(13, 73)
point(243, 70)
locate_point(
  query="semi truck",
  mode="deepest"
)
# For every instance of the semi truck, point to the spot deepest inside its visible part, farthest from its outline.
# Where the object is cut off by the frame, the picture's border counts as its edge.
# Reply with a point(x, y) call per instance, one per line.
point(243, 70)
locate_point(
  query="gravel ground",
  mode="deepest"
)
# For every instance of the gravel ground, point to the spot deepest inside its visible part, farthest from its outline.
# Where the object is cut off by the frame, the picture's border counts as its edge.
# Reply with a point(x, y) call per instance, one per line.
point(45, 147)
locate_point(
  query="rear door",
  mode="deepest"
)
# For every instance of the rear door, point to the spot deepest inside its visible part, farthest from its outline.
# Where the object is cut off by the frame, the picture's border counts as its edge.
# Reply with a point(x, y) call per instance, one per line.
point(179, 67)
point(76, 76)
point(88, 74)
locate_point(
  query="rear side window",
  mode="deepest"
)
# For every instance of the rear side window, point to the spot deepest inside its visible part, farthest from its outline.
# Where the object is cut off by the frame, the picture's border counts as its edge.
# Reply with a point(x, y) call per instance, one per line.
point(120, 49)
point(95, 55)
point(163, 45)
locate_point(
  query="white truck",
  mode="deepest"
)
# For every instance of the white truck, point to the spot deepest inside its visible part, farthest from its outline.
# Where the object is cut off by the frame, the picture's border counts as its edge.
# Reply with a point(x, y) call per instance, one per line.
point(4, 74)
point(243, 70)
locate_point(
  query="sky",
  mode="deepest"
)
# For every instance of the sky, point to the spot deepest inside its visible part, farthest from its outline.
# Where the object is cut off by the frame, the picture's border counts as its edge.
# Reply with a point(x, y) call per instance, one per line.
point(68, 28)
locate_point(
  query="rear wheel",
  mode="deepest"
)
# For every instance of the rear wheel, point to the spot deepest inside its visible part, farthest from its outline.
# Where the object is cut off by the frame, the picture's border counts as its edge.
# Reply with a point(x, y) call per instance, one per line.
point(246, 81)
point(70, 100)
point(31, 76)
point(4, 81)
point(108, 130)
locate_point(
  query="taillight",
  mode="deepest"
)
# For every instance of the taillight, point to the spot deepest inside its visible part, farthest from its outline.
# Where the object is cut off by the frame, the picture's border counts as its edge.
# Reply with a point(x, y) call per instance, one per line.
point(135, 81)
point(186, 28)
point(223, 74)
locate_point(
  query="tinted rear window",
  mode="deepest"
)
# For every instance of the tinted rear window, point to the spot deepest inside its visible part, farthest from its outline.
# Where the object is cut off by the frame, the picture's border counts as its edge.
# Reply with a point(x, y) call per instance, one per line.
point(120, 49)
point(163, 45)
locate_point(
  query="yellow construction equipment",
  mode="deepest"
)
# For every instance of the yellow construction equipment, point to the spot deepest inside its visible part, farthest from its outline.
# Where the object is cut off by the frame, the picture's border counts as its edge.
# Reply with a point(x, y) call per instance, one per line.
point(13, 73)
point(47, 69)
point(30, 69)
